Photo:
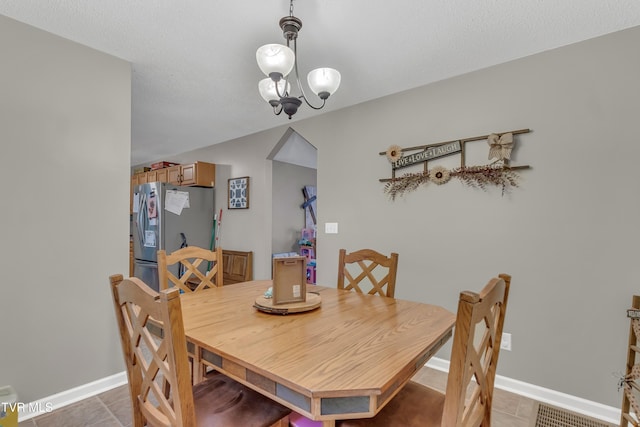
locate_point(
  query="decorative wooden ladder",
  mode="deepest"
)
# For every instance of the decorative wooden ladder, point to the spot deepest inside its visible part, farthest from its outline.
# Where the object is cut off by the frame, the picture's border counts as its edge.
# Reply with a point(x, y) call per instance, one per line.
point(629, 381)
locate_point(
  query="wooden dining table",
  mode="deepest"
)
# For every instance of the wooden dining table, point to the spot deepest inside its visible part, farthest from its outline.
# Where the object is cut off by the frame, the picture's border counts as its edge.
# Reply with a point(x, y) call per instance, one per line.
point(344, 359)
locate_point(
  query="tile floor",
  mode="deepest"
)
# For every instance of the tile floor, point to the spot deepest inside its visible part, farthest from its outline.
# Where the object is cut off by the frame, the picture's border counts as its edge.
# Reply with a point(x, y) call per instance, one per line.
point(112, 408)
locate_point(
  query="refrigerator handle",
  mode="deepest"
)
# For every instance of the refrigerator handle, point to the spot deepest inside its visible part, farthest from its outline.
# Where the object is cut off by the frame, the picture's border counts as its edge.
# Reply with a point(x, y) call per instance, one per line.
point(142, 223)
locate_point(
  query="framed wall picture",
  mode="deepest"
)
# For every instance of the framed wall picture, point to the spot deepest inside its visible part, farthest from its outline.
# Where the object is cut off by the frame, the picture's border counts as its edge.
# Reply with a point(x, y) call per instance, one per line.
point(238, 191)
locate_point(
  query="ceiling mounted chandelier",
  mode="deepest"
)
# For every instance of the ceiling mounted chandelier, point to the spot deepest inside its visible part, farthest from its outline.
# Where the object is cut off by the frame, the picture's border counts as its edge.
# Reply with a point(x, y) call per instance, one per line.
point(277, 61)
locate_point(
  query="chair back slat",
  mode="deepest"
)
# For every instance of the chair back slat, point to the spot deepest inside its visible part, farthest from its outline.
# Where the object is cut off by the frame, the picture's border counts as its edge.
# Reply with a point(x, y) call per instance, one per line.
point(368, 271)
point(474, 355)
point(157, 367)
point(201, 269)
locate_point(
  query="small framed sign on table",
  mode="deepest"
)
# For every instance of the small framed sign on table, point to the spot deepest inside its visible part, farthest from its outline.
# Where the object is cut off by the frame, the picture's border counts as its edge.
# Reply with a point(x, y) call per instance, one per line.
point(289, 280)
point(238, 191)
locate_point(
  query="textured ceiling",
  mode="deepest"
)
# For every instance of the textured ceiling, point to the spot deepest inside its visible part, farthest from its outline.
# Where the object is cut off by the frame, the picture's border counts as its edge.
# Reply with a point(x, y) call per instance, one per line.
point(194, 70)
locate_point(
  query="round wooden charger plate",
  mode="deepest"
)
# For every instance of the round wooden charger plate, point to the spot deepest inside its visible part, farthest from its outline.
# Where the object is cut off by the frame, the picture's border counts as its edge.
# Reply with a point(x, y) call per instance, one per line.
point(266, 305)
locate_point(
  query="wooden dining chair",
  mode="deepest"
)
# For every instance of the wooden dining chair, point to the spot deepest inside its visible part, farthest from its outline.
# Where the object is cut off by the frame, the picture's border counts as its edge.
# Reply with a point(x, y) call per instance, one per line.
point(357, 272)
point(474, 358)
point(192, 274)
point(355, 267)
point(158, 370)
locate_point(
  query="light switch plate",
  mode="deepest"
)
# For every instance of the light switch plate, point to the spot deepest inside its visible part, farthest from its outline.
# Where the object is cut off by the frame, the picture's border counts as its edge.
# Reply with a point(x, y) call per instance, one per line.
point(331, 227)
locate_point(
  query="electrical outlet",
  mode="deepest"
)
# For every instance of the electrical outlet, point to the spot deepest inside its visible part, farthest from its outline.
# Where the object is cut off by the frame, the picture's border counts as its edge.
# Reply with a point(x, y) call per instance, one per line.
point(506, 342)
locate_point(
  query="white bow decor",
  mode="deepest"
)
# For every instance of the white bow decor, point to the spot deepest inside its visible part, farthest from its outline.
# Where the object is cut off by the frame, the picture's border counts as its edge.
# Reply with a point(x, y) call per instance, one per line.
point(500, 146)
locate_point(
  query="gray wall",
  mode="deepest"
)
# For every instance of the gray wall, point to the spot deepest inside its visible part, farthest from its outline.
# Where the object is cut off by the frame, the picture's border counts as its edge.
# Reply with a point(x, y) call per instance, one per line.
point(288, 217)
point(568, 235)
point(65, 124)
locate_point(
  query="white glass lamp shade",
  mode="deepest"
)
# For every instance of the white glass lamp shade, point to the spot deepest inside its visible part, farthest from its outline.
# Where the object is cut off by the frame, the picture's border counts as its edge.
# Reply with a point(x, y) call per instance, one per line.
point(267, 89)
point(323, 81)
point(275, 58)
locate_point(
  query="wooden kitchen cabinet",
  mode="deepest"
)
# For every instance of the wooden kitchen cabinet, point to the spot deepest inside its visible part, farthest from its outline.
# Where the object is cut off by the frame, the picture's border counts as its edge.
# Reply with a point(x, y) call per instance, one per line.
point(131, 261)
point(189, 174)
point(173, 175)
point(152, 176)
point(199, 174)
point(237, 266)
point(159, 175)
point(162, 175)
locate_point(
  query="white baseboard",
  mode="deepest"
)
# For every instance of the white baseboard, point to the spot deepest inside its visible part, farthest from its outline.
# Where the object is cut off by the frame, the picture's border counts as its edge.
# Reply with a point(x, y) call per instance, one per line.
point(561, 400)
point(67, 397)
point(555, 398)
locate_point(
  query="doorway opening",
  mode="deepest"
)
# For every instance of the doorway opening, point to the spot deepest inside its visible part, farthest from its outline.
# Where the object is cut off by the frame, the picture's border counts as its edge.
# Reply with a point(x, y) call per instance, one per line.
point(294, 205)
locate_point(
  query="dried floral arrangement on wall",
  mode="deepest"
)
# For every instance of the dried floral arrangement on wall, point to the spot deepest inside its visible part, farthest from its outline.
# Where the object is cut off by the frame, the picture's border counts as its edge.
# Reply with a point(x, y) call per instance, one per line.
point(499, 172)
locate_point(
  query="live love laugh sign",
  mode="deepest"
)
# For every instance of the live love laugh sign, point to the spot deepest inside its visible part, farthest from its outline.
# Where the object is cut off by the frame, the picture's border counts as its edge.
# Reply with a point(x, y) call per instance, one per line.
point(428, 154)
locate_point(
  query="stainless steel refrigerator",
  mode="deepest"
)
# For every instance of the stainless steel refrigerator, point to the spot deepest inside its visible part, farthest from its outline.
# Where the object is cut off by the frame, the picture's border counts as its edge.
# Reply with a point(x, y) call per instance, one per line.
point(168, 217)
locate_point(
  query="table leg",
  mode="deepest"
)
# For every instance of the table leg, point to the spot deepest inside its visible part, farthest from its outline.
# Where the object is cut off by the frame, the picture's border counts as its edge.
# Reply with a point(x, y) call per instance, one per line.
point(197, 370)
point(329, 423)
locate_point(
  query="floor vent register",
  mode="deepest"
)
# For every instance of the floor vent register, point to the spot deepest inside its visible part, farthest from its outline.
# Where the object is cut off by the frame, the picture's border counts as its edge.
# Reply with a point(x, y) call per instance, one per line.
point(549, 416)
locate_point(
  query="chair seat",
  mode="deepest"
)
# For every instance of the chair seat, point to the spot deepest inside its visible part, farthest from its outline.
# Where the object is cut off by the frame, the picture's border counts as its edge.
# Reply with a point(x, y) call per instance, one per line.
point(221, 401)
point(415, 405)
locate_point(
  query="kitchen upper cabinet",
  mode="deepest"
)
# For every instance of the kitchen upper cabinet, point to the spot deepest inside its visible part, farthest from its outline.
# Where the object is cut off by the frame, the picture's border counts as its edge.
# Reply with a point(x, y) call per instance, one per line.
point(158, 175)
point(198, 174)
point(173, 175)
point(152, 176)
point(189, 175)
point(162, 175)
